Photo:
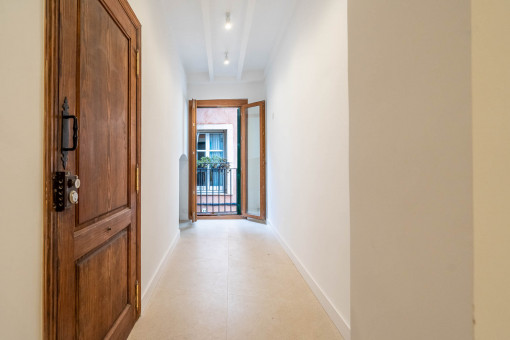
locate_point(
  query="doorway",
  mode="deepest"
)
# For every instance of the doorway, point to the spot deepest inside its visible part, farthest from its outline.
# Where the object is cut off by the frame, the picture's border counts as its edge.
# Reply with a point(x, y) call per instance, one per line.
point(227, 159)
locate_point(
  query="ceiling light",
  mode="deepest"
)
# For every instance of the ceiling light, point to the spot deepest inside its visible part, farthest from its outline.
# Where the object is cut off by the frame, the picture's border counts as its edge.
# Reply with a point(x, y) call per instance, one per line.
point(227, 61)
point(228, 24)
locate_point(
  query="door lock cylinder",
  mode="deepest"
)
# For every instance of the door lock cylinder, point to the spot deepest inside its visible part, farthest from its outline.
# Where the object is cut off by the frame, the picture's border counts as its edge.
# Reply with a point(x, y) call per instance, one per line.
point(65, 190)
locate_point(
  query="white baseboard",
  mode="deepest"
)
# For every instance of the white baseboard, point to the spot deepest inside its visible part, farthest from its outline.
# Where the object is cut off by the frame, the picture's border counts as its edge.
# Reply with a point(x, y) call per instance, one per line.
point(151, 285)
point(333, 313)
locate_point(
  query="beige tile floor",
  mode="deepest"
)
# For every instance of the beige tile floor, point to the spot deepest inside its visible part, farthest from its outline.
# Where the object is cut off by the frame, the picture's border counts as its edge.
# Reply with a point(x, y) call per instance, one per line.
point(232, 280)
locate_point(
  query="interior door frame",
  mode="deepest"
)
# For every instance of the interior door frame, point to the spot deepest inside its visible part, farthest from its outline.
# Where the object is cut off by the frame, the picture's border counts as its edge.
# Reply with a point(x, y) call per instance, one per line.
point(51, 143)
point(192, 128)
point(244, 159)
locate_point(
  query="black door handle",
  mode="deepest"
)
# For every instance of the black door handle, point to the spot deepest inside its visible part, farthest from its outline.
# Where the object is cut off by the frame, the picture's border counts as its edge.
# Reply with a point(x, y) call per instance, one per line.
point(65, 132)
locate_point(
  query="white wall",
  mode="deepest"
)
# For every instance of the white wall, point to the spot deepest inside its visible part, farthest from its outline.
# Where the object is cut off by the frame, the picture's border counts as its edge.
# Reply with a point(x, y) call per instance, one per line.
point(183, 188)
point(253, 91)
point(491, 158)
point(184, 165)
point(21, 164)
point(411, 170)
point(163, 93)
point(307, 148)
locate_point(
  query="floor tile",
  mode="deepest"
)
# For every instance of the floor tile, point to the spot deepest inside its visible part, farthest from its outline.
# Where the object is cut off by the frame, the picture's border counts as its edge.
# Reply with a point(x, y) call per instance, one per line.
point(253, 317)
point(232, 280)
point(197, 315)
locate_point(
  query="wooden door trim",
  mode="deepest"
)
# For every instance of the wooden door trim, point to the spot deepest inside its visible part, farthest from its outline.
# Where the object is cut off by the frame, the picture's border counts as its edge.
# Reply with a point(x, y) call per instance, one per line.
point(220, 217)
point(244, 168)
point(218, 103)
point(244, 162)
point(138, 27)
point(192, 169)
point(262, 159)
point(50, 118)
point(259, 103)
point(50, 145)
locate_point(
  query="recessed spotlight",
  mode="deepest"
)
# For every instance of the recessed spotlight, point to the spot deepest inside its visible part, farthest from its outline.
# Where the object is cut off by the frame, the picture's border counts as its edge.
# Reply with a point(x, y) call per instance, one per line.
point(226, 61)
point(228, 24)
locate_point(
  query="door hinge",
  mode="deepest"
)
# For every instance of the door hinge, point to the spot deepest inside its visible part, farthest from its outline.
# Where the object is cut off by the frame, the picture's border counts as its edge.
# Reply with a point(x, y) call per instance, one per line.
point(137, 179)
point(137, 63)
point(137, 293)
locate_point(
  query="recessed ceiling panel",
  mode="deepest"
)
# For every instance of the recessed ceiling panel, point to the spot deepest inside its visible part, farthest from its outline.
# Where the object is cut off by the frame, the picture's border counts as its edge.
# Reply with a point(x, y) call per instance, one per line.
point(269, 22)
point(186, 18)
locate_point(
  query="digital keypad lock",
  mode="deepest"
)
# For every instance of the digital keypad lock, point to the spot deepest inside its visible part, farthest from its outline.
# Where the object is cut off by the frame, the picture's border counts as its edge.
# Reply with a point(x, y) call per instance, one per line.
point(65, 190)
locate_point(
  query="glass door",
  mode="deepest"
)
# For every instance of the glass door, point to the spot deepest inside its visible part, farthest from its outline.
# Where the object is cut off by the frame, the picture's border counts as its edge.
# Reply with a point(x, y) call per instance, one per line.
point(253, 160)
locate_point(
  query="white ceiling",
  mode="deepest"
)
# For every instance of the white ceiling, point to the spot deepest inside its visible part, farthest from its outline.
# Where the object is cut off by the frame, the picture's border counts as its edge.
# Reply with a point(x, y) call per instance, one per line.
point(198, 27)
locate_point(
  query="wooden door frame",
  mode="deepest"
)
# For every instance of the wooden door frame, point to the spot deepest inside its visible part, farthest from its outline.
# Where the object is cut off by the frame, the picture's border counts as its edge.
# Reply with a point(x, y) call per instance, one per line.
point(52, 39)
point(244, 161)
point(192, 170)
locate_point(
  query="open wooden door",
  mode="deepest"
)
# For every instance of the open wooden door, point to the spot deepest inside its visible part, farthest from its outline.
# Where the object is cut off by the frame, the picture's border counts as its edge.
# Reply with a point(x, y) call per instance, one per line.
point(192, 160)
point(92, 172)
point(253, 160)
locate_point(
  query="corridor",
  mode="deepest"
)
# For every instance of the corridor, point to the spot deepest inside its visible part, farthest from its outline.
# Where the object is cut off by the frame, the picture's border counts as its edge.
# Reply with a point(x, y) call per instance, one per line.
point(231, 279)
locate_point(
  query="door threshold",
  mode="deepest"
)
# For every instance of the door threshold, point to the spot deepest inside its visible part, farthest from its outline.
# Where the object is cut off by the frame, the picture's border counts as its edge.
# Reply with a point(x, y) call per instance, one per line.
point(256, 220)
point(220, 217)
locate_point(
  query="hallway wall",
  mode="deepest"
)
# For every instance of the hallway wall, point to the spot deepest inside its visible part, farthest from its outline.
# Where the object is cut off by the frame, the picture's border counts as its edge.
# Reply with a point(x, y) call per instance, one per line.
point(491, 158)
point(411, 169)
point(307, 149)
point(253, 91)
point(163, 99)
point(21, 163)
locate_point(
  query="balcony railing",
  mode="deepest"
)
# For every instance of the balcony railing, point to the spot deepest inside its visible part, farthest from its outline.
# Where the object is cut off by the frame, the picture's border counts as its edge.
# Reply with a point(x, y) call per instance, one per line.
point(216, 189)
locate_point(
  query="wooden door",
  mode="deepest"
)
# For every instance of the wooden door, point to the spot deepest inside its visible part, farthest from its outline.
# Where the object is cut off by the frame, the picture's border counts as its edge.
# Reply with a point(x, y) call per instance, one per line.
point(192, 160)
point(253, 160)
point(93, 246)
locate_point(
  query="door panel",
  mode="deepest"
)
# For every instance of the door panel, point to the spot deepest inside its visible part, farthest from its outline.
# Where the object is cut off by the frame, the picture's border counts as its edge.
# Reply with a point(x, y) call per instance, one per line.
point(253, 157)
point(192, 160)
point(96, 254)
point(86, 239)
point(103, 111)
point(253, 160)
point(102, 279)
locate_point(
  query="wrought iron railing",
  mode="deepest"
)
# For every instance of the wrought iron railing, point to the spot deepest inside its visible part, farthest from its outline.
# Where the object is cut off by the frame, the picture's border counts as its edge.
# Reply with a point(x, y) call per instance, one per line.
point(217, 189)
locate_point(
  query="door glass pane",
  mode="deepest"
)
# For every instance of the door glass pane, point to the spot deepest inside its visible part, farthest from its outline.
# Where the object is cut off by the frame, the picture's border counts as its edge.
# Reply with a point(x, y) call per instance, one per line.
point(217, 154)
point(253, 160)
point(201, 177)
point(201, 142)
point(216, 141)
point(217, 179)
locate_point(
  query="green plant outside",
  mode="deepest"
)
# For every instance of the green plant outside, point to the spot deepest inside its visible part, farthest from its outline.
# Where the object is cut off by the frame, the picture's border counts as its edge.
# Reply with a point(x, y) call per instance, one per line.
point(214, 162)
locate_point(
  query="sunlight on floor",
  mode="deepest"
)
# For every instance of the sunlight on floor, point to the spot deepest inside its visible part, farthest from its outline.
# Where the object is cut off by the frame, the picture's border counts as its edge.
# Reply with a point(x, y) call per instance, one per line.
point(232, 280)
